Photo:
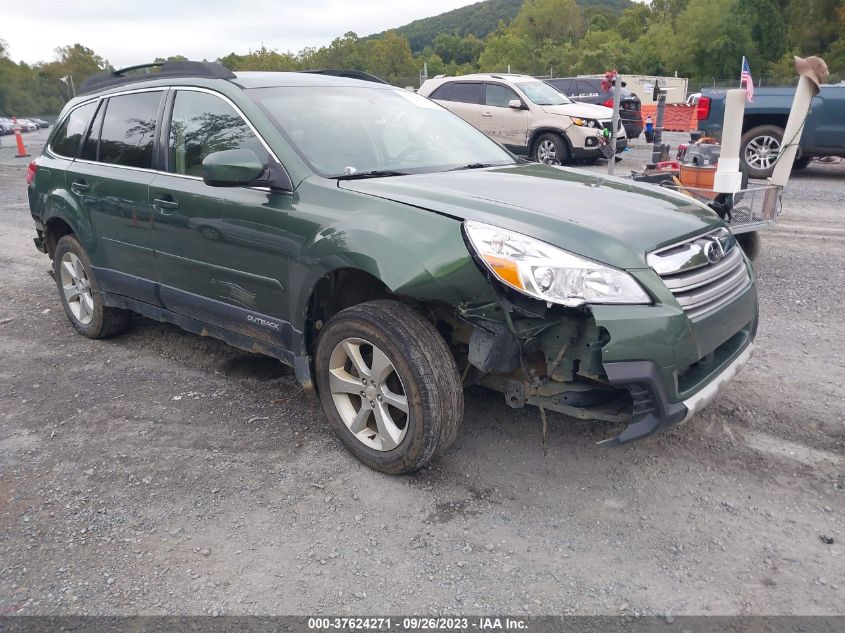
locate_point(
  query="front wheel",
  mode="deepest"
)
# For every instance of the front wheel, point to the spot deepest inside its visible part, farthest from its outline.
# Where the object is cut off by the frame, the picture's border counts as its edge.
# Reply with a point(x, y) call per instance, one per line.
point(550, 149)
point(389, 386)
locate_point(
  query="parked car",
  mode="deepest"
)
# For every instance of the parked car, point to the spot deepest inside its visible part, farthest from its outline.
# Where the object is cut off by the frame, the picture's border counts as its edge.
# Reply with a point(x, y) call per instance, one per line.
point(765, 120)
point(26, 125)
point(6, 127)
point(585, 90)
point(41, 123)
point(388, 251)
point(527, 116)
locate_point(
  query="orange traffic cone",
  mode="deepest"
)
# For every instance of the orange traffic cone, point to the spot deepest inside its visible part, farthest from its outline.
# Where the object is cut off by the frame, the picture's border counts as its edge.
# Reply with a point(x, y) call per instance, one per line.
point(22, 153)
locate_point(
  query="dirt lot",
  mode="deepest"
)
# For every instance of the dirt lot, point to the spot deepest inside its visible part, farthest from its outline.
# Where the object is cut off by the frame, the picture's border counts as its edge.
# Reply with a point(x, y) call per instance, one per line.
point(160, 472)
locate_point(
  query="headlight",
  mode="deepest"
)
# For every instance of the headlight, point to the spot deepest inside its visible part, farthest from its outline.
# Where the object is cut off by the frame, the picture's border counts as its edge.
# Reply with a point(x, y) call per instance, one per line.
point(584, 122)
point(548, 273)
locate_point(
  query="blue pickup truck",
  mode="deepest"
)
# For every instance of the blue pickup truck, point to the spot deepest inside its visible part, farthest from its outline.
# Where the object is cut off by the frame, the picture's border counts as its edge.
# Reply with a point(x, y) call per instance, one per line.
point(765, 120)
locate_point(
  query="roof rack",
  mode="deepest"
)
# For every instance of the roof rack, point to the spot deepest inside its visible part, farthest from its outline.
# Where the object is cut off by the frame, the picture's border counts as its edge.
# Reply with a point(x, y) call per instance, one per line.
point(349, 74)
point(111, 78)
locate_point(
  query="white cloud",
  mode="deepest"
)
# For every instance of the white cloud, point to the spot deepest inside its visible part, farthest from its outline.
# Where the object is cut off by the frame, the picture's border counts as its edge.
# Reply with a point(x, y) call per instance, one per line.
point(127, 33)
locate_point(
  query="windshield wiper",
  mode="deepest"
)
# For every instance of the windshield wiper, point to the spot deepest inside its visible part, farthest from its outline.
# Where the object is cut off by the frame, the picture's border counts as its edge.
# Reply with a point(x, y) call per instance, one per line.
point(472, 166)
point(371, 174)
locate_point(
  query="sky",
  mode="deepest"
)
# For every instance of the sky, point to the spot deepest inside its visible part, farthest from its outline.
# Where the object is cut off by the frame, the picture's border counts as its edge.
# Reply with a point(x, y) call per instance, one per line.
point(131, 32)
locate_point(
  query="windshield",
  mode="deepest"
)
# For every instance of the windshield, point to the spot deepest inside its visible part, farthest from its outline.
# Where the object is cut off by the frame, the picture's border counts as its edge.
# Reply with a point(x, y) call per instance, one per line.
point(542, 93)
point(343, 131)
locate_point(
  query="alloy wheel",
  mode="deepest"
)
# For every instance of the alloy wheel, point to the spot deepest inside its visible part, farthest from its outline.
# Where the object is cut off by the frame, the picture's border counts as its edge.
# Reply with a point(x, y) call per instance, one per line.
point(761, 152)
point(77, 288)
point(547, 153)
point(368, 394)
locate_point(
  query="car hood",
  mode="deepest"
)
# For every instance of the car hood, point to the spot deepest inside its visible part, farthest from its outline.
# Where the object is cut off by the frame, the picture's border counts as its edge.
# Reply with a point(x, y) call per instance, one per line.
point(583, 110)
point(603, 218)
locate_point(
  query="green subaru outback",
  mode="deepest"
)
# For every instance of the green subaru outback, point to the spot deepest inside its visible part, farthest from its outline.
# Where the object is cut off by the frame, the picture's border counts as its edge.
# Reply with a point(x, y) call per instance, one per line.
point(388, 251)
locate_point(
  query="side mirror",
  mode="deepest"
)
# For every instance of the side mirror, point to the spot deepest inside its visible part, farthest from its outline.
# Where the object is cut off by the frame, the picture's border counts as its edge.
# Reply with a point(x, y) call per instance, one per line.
point(231, 168)
point(516, 104)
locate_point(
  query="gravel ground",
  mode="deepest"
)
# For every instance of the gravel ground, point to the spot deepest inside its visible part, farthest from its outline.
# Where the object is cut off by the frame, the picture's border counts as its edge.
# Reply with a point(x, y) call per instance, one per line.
point(163, 473)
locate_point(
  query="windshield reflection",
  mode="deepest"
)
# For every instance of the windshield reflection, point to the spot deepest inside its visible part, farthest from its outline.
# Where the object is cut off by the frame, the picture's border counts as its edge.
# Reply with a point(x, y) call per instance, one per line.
point(342, 131)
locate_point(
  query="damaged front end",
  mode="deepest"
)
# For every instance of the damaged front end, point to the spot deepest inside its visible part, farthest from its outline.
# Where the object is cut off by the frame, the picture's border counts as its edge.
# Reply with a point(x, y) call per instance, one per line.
point(646, 366)
point(546, 357)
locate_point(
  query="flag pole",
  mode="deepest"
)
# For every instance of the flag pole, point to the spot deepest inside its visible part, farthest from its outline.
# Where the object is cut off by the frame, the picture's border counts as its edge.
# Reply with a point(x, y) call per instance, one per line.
point(741, 68)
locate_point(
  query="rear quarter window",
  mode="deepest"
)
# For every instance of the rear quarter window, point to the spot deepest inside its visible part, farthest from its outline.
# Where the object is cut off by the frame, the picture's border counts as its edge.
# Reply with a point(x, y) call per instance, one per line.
point(68, 134)
point(443, 92)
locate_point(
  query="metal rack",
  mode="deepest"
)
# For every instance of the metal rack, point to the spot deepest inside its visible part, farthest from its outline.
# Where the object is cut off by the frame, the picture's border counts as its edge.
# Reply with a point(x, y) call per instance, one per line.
point(751, 209)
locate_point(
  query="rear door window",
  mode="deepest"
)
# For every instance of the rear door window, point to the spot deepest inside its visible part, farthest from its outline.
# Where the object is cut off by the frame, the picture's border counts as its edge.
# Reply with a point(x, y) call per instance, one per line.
point(129, 130)
point(466, 93)
point(66, 138)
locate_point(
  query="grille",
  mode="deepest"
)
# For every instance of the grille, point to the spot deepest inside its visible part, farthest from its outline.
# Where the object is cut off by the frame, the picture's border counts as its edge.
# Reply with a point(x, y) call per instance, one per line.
point(704, 273)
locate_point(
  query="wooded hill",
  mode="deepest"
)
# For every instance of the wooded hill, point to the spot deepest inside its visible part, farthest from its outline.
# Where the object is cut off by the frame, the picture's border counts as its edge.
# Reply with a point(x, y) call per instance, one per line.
point(482, 18)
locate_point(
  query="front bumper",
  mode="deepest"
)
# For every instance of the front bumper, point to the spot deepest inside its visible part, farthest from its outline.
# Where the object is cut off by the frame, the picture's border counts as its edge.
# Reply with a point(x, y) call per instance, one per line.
point(594, 151)
point(652, 410)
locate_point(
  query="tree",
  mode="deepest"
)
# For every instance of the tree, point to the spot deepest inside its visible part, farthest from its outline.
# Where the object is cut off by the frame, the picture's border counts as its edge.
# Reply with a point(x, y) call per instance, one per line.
point(767, 26)
point(709, 41)
point(263, 59)
point(461, 50)
point(599, 51)
point(389, 57)
point(507, 49)
point(347, 52)
point(557, 20)
point(813, 24)
point(633, 22)
point(77, 61)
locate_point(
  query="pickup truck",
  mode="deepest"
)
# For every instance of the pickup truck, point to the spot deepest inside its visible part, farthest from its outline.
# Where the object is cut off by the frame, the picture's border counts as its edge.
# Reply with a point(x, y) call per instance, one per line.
point(765, 120)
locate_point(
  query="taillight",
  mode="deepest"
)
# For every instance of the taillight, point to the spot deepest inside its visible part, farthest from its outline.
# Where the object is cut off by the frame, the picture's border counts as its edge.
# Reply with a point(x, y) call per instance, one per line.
point(608, 103)
point(30, 172)
point(703, 108)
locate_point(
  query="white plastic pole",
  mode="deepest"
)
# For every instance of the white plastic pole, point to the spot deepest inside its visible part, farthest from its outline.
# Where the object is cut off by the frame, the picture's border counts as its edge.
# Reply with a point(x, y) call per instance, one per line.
point(728, 178)
point(792, 134)
point(614, 122)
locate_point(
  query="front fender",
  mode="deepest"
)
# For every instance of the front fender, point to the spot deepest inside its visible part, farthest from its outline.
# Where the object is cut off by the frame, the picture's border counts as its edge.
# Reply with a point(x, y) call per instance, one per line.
point(414, 252)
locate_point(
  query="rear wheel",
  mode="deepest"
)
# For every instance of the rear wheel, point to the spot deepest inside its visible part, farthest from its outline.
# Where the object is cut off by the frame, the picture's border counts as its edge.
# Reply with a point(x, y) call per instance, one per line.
point(550, 149)
point(389, 386)
point(80, 293)
point(759, 150)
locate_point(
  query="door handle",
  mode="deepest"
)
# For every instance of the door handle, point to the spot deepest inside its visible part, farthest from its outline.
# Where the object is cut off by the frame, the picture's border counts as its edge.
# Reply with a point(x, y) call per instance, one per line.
point(79, 186)
point(488, 114)
point(165, 204)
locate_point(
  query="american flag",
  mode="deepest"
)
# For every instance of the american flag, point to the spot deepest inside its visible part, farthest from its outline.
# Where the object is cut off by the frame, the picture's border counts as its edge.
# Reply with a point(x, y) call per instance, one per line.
point(746, 80)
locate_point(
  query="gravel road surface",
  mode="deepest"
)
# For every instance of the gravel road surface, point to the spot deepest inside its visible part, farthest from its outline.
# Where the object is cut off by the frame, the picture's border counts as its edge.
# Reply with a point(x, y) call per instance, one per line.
point(164, 473)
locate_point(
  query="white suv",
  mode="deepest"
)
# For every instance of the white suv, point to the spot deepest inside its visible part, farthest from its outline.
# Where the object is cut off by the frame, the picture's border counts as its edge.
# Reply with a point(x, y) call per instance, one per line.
point(527, 115)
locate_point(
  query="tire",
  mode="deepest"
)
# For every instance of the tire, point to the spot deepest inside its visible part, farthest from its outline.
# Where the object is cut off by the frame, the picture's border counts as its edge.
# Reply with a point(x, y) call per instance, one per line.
point(550, 149)
point(83, 302)
point(418, 363)
point(801, 162)
point(751, 243)
point(758, 150)
point(210, 233)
